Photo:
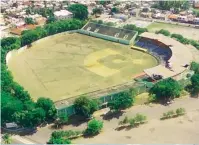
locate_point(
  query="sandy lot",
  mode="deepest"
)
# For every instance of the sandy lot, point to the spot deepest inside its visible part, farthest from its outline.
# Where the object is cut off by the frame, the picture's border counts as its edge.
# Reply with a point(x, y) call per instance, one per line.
point(187, 32)
point(182, 130)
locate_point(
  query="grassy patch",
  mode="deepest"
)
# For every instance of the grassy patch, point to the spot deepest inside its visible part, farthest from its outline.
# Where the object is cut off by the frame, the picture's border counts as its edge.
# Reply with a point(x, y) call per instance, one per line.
point(142, 99)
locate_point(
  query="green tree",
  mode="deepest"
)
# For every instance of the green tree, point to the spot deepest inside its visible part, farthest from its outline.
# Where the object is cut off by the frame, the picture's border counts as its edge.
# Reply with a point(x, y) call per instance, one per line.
point(61, 120)
point(134, 28)
point(195, 67)
point(38, 116)
point(195, 84)
point(59, 141)
point(20, 93)
point(79, 11)
point(121, 100)
point(115, 10)
point(167, 5)
point(29, 37)
point(85, 106)
point(30, 118)
point(29, 20)
point(6, 79)
point(50, 19)
point(28, 11)
point(9, 105)
point(97, 11)
point(29, 105)
point(6, 139)
point(94, 127)
point(48, 106)
point(166, 89)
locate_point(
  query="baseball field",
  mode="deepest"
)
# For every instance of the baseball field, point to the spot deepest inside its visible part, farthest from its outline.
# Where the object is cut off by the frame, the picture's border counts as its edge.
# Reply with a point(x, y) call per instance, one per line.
point(66, 65)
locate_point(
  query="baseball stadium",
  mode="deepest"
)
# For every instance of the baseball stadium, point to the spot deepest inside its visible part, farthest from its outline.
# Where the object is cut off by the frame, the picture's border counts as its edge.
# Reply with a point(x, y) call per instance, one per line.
point(94, 59)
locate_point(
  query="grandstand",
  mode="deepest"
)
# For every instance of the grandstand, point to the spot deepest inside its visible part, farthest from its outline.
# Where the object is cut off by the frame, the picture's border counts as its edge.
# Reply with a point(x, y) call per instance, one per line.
point(109, 33)
point(175, 57)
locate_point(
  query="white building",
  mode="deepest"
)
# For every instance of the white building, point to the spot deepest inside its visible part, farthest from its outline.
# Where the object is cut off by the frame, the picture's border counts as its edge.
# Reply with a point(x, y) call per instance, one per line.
point(63, 14)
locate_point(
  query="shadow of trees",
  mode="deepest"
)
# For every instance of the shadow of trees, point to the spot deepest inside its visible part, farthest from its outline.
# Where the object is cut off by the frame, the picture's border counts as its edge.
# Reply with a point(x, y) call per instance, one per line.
point(111, 115)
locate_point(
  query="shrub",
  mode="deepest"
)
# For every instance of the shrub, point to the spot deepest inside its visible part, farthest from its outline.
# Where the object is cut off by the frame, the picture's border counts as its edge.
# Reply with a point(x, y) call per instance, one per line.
point(124, 121)
point(170, 113)
point(132, 122)
point(135, 121)
point(164, 32)
point(180, 111)
point(139, 118)
point(94, 127)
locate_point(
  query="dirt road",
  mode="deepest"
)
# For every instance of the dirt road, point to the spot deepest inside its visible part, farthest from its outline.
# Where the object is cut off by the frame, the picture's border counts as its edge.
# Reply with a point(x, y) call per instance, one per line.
point(179, 130)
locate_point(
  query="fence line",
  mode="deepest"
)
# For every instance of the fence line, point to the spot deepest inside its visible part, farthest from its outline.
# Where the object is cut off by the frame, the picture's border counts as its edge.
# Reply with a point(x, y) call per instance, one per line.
point(138, 88)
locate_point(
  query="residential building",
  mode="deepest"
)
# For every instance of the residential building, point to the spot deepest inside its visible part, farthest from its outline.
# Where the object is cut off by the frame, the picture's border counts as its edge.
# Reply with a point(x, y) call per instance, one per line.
point(63, 14)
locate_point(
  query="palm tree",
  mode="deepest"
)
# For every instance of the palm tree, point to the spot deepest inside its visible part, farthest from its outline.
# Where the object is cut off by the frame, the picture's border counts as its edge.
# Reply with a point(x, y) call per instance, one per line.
point(6, 138)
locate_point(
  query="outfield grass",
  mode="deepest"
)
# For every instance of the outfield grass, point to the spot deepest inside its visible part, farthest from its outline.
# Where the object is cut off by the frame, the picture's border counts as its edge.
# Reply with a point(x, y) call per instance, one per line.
point(187, 32)
point(66, 65)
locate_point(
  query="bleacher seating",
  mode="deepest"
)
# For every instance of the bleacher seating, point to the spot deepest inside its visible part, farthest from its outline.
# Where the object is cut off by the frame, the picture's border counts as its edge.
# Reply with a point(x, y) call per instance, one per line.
point(162, 52)
point(110, 31)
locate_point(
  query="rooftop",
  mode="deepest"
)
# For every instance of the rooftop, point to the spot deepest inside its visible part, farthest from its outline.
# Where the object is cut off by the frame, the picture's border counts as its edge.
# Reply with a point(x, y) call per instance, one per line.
point(181, 56)
point(62, 13)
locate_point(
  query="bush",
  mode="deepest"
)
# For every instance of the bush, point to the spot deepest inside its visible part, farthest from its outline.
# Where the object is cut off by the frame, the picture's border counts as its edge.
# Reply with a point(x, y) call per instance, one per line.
point(171, 113)
point(139, 118)
point(94, 127)
point(135, 121)
point(132, 122)
point(164, 32)
point(180, 111)
point(135, 28)
point(168, 115)
point(124, 121)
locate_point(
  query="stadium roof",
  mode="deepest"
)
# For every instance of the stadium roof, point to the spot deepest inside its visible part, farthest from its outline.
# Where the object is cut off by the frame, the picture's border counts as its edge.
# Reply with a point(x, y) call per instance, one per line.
point(181, 56)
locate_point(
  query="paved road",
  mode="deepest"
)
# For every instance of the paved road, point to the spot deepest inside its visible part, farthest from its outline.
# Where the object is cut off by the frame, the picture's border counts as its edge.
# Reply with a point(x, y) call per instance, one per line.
point(16, 139)
point(152, 112)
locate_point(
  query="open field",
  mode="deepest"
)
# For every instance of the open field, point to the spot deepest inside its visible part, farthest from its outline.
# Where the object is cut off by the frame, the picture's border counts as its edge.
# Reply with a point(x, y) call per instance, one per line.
point(187, 32)
point(66, 65)
point(176, 130)
point(182, 130)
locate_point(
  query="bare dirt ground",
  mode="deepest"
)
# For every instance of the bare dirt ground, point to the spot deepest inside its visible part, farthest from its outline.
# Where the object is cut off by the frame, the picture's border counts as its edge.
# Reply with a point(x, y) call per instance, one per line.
point(187, 32)
point(178, 130)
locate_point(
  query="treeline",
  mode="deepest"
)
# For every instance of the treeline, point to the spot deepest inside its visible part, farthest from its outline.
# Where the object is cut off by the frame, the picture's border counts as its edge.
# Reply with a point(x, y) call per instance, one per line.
point(135, 28)
point(30, 36)
point(16, 103)
point(179, 38)
point(176, 5)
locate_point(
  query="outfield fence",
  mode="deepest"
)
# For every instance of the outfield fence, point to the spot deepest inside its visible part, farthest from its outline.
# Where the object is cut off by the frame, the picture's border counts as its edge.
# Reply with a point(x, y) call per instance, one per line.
point(105, 96)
